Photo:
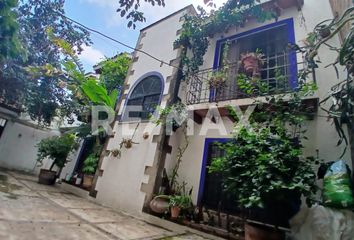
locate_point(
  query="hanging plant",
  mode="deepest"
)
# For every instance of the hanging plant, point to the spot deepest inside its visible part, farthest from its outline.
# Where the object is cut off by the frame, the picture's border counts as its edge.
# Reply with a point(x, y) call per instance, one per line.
point(217, 80)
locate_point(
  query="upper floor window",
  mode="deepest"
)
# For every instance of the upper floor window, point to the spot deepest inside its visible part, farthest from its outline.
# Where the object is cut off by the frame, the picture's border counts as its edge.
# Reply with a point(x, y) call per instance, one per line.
point(279, 69)
point(144, 98)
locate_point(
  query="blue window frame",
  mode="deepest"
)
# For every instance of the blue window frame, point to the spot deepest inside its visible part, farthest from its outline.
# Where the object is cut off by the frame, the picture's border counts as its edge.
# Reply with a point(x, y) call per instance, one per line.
point(146, 93)
point(263, 38)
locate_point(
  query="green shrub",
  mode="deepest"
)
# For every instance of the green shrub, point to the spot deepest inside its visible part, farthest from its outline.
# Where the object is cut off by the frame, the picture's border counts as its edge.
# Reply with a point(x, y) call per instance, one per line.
point(56, 148)
point(90, 164)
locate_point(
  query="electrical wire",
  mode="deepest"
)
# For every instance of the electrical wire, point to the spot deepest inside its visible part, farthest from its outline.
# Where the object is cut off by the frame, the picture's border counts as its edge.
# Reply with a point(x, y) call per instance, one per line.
point(150, 55)
point(115, 40)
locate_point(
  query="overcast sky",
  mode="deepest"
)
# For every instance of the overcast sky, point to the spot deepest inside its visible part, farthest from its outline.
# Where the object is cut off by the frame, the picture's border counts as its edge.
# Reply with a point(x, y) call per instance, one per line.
point(101, 15)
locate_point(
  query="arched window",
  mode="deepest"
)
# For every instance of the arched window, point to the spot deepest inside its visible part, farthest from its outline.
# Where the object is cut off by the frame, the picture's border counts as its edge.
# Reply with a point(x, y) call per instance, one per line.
point(146, 95)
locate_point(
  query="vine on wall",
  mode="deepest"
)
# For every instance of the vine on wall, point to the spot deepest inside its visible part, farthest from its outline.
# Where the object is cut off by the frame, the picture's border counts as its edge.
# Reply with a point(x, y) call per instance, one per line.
point(197, 30)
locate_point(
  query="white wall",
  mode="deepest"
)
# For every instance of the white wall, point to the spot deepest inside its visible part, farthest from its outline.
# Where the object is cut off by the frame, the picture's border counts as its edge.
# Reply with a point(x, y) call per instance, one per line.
point(120, 185)
point(18, 146)
point(321, 132)
point(121, 181)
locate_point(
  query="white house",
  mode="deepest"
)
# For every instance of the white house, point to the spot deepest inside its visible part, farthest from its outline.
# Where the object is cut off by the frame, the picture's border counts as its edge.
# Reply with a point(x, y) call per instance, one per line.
point(129, 182)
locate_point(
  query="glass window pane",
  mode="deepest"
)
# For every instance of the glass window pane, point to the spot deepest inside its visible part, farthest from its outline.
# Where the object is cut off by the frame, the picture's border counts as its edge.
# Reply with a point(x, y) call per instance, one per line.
point(146, 94)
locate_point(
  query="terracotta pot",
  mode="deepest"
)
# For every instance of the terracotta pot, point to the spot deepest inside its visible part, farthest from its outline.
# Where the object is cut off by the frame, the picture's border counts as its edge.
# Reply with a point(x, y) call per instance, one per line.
point(88, 180)
point(250, 64)
point(258, 232)
point(159, 204)
point(47, 177)
point(175, 211)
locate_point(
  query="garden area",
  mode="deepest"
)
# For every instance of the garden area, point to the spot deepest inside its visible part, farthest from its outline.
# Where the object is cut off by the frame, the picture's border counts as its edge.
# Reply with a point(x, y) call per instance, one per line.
point(264, 185)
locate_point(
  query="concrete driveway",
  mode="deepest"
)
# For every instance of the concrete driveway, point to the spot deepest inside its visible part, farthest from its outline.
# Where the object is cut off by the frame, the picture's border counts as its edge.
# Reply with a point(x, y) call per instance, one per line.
point(32, 211)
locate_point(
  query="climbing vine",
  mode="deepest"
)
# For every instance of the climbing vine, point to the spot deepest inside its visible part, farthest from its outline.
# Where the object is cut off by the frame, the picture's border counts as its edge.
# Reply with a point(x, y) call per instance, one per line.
point(197, 30)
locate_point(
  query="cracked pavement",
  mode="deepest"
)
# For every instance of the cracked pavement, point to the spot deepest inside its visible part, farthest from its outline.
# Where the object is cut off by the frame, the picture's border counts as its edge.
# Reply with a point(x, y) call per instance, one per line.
point(29, 210)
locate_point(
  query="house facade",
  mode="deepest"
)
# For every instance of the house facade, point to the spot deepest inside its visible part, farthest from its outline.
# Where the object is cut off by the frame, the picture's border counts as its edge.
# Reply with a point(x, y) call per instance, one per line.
point(130, 180)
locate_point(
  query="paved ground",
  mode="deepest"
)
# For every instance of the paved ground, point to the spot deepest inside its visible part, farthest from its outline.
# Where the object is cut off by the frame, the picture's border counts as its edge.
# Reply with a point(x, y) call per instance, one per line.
point(32, 211)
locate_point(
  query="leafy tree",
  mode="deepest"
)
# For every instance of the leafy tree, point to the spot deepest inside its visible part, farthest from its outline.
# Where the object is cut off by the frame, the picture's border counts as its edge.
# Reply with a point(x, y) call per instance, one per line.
point(56, 148)
point(114, 71)
point(9, 42)
point(42, 96)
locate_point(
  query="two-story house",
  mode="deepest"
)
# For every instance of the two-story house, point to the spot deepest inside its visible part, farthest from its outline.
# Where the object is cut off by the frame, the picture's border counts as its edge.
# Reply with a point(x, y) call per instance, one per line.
point(129, 182)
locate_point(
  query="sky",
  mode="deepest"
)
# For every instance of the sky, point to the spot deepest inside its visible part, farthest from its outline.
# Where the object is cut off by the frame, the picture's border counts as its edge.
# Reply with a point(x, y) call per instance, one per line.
point(101, 15)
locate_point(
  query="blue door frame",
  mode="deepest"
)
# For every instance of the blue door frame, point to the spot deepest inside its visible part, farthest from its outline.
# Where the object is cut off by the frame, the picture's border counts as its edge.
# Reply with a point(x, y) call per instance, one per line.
point(207, 143)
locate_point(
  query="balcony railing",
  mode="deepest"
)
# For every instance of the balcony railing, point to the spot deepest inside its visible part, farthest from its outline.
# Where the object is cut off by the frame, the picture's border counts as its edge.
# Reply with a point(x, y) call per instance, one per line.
point(278, 75)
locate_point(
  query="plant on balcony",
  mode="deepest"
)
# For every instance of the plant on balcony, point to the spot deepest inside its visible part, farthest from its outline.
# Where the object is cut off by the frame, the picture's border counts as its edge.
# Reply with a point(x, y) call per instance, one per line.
point(252, 62)
point(56, 148)
point(217, 79)
point(251, 86)
point(197, 30)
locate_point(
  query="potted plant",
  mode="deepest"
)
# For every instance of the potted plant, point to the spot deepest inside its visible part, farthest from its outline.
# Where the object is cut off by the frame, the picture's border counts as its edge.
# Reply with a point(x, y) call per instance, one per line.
point(217, 80)
point(178, 202)
point(56, 148)
point(264, 171)
point(252, 62)
point(89, 169)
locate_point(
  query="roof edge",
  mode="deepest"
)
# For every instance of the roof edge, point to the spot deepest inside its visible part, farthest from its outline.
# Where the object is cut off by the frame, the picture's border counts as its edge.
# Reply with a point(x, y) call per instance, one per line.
point(168, 16)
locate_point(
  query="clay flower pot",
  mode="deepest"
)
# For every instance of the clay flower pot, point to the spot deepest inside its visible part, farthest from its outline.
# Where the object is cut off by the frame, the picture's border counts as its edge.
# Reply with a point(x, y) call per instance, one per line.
point(47, 177)
point(159, 204)
point(88, 180)
point(175, 210)
point(250, 64)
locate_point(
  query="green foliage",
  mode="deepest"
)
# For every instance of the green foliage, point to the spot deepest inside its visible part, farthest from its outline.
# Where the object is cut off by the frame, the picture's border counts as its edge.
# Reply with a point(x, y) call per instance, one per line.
point(97, 93)
point(56, 148)
point(130, 10)
point(251, 86)
point(218, 78)
point(167, 114)
point(42, 97)
point(196, 30)
point(341, 95)
point(265, 165)
point(182, 201)
point(90, 164)
point(10, 45)
point(114, 71)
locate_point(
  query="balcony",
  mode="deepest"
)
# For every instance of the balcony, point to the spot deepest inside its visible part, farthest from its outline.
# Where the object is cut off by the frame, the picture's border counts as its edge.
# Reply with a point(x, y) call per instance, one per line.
point(278, 75)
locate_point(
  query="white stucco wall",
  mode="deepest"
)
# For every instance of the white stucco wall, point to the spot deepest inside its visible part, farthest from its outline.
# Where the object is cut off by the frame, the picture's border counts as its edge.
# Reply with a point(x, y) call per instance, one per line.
point(121, 181)
point(18, 149)
point(120, 184)
point(320, 131)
